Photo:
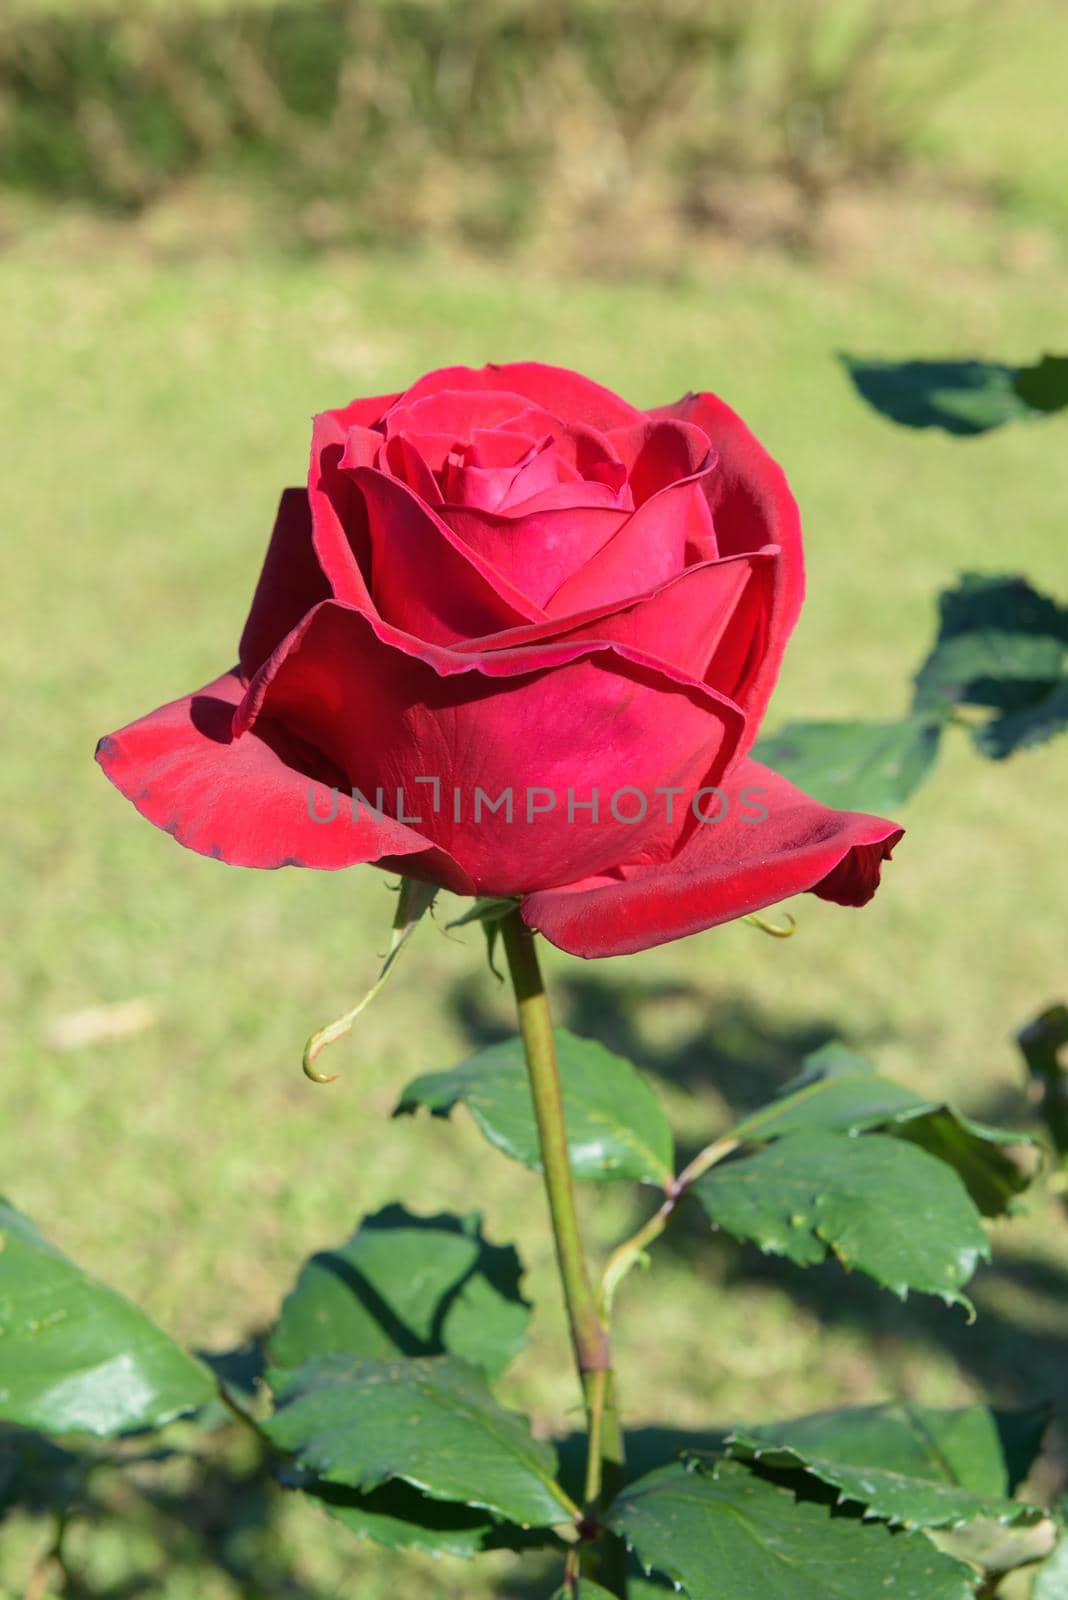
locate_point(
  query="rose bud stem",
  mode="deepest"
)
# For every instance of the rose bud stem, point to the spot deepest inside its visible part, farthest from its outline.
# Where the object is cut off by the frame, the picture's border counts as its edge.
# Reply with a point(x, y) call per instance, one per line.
point(589, 1332)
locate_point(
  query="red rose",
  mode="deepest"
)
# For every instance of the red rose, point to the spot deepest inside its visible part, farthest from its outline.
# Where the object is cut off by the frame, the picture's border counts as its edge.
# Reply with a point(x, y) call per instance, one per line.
point(535, 629)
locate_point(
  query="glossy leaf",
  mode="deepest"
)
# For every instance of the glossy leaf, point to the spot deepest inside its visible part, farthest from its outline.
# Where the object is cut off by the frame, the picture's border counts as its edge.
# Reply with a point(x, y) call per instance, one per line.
point(430, 1422)
point(76, 1356)
point(879, 1204)
point(913, 1466)
point(840, 1090)
point(615, 1125)
point(856, 766)
point(962, 397)
point(404, 1285)
point(736, 1536)
point(1000, 644)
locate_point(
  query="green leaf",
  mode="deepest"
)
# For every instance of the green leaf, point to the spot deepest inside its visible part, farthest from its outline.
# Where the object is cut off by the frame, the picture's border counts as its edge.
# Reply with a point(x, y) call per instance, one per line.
point(840, 1090)
point(400, 1518)
point(856, 766)
point(1044, 387)
point(1000, 644)
point(404, 1285)
point(76, 1356)
point(431, 1422)
point(615, 1125)
point(913, 1466)
point(736, 1536)
point(879, 1204)
point(1031, 725)
point(962, 397)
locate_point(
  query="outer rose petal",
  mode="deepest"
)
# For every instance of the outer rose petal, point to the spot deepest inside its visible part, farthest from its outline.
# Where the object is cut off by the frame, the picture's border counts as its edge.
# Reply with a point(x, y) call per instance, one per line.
point(566, 394)
point(752, 506)
point(339, 523)
point(724, 870)
point(292, 581)
point(394, 714)
point(249, 801)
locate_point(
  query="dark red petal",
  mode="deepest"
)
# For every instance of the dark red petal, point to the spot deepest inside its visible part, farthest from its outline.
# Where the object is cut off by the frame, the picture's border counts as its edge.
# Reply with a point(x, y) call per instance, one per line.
point(364, 413)
point(291, 582)
point(490, 485)
point(389, 710)
point(339, 520)
point(657, 452)
point(251, 801)
point(534, 554)
point(724, 870)
point(456, 412)
point(751, 506)
point(404, 459)
point(566, 394)
point(426, 579)
point(703, 622)
point(653, 545)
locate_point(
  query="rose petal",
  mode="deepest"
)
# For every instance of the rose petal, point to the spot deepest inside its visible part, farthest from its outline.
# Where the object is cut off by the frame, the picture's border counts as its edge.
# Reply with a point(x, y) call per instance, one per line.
point(704, 622)
point(489, 486)
point(534, 554)
point(291, 582)
point(251, 801)
point(657, 452)
point(458, 411)
point(565, 393)
point(751, 506)
point(403, 456)
point(655, 543)
point(426, 579)
point(725, 870)
point(559, 719)
point(339, 520)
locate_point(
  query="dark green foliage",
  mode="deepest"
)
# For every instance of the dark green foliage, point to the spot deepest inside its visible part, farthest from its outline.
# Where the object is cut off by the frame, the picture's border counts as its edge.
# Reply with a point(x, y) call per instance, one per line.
point(909, 1465)
point(616, 1127)
point(405, 1285)
point(962, 397)
point(733, 1535)
point(856, 766)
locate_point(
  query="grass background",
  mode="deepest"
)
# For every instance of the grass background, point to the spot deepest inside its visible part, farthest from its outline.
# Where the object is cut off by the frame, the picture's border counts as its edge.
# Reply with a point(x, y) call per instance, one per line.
point(158, 398)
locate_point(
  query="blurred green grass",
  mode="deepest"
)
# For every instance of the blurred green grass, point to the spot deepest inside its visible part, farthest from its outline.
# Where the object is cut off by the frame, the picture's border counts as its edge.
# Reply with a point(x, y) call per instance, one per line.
point(159, 406)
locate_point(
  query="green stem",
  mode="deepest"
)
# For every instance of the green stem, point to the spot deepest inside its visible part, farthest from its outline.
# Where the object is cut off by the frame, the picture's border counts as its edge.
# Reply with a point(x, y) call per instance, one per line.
point(589, 1334)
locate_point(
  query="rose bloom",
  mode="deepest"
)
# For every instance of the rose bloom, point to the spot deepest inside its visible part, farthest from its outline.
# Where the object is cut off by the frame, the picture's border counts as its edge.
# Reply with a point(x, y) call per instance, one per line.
point(510, 579)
